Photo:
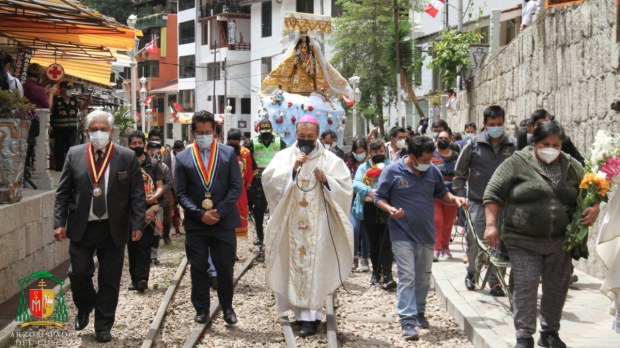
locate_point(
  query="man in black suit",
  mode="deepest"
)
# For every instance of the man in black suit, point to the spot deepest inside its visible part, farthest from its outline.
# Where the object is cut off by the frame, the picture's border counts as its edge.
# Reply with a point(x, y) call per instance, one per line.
point(208, 185)
point(95, 174)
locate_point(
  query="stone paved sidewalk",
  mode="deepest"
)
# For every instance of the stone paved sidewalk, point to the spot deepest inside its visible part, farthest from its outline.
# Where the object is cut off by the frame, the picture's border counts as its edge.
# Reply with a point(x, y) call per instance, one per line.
point(487, 320)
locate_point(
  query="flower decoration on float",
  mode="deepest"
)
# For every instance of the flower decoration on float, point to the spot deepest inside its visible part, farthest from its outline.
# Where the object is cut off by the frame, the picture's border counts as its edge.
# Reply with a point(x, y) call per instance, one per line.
point(602, 174)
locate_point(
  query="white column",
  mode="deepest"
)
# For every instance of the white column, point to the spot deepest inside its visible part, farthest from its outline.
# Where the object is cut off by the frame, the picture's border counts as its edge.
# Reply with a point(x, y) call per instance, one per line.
point(41, 175)
point(494, 32)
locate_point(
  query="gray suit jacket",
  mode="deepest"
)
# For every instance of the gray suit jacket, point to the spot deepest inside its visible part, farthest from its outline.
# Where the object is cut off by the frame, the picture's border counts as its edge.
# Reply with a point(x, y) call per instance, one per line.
point(126, 201)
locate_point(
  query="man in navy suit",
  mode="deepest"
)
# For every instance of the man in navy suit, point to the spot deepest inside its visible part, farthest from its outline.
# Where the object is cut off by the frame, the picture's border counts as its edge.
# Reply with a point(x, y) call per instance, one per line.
point(208, 184)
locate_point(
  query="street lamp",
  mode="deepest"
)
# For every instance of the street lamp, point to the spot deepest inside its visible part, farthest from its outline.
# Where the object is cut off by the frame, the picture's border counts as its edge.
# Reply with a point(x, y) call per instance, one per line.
point(131, 22)
point(227, 116)
point(142, 104)
point(354, 81)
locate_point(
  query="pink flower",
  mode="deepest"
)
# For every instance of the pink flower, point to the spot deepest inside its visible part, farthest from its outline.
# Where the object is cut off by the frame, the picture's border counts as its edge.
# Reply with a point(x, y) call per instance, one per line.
point(611, 167)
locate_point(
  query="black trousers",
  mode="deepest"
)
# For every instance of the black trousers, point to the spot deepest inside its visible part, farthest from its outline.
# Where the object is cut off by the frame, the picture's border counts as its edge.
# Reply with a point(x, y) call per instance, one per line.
point(64, 138)
point(223, 247)
point(104, 301)
point(381, 255)
point(258, 206)
point(139, 253)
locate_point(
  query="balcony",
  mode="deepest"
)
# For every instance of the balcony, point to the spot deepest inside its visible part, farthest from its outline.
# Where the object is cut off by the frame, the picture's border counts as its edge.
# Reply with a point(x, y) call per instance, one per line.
point(152, 20)
point(215, 7)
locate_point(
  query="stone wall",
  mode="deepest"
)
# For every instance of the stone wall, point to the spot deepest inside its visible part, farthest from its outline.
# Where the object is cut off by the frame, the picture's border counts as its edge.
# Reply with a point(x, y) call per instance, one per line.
point(27, 241)
point(566, 62)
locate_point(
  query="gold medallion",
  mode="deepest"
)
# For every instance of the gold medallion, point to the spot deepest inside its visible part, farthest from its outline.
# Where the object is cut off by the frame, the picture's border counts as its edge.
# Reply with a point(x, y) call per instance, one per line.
point(303, 203)
point(97, 191)
point(207, 203)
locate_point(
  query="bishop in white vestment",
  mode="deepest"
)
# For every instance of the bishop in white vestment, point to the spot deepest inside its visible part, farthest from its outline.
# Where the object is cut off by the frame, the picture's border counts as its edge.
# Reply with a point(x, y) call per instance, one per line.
point(309, 239)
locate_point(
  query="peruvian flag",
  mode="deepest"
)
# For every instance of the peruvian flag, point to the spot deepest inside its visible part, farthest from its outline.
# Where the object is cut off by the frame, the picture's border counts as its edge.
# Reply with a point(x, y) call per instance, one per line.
point(174, 108)
point(434, 7)
point(148, 99)
point(348, 101)
point(151, 47)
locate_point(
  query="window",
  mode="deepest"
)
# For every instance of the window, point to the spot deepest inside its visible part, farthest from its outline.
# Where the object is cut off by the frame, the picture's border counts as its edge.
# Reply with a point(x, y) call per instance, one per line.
point(266, 19)
point(187, 66)
point(205, 33)
point(186, 4)
point(336, 9)
point(265, 67)
point(186, 32)
point(148, 68)
point(214, 71)
point(185, 131)
point(159, 105)
point(186, 99)
point(169, 127)
point(306, 6)
point(232, 102)
point(246, 105)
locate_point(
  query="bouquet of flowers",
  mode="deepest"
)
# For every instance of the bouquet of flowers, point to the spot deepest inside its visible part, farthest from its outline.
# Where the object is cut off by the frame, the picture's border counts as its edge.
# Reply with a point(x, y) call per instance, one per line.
point(602, 169)
point(372, 176)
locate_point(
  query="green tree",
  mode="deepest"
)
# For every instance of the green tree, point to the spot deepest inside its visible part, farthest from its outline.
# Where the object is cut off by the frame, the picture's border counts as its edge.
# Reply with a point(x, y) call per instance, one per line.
point(451, 53)
point(358, 40)
point(117, 9)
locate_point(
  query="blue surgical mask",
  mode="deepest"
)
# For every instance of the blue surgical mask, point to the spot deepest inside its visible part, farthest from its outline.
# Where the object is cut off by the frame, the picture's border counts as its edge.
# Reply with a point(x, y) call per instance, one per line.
point(495, 132)
point(422, 167)
point(468, 136)
point(435, 135)
point(359, 156)
point(204, 141)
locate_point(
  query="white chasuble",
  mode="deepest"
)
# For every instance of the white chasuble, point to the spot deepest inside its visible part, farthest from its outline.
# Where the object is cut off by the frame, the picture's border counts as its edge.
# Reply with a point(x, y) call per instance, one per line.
point(309, 239)
point(608, 249)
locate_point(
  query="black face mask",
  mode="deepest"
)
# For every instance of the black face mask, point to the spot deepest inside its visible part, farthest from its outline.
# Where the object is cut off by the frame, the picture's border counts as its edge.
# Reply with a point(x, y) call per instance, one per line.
point(443, 144)
point(237, 148)
point(266, 136)
point(378, 159)
point(306, 146)
point(139, 151)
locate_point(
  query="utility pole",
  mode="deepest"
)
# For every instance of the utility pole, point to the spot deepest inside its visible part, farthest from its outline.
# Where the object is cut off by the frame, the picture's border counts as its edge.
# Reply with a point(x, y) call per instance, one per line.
point(397, 48)
point(213, 70)
point(226, 104)
point(447, 23)
point(459, 10)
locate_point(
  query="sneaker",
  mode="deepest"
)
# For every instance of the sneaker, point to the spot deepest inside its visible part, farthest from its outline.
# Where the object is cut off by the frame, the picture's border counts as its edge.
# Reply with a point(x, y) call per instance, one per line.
point(410, 332)
point(389, 283)
point(525, 343)
point(469, 282)
point(421, 321)
point(355, 263)
point(436, 255)
point(497, 291)
point(258, 242)
point(374, 279)
point(550, 339)
point(363, 266)
point(447, 255)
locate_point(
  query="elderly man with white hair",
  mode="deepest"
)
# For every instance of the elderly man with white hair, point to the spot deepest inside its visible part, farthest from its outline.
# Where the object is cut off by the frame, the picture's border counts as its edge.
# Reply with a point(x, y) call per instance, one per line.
point(100, 205)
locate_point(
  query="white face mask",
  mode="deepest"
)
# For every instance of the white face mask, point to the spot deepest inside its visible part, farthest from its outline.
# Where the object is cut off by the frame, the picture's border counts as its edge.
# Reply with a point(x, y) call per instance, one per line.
point(401, 143)
point(327, 146)
point(99, 139)
point(548, 154)
point(204, 141)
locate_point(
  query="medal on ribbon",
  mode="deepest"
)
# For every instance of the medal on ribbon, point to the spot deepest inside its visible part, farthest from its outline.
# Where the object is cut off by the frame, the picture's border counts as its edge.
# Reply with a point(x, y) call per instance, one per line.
point(207, 173)
point(97, 171)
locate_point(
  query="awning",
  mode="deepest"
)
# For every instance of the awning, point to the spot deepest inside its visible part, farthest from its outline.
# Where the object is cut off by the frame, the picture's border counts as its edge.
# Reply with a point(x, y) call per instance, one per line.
point(68, 32)
point(173, 87)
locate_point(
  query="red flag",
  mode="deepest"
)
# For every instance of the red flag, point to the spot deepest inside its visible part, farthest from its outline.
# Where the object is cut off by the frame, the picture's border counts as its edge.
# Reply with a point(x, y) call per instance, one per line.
point(434, 7)
point(151, 47)
point(148, 100)
point(177, 106)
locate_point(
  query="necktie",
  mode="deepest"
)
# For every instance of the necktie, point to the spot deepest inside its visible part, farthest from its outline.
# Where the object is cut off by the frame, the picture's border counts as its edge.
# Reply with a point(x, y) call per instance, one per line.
point(99, 207)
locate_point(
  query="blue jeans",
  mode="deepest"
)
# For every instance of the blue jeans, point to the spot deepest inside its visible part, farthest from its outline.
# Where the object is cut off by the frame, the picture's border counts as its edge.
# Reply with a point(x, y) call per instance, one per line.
point(359, 235)
point(212, 272)
point(414, 263)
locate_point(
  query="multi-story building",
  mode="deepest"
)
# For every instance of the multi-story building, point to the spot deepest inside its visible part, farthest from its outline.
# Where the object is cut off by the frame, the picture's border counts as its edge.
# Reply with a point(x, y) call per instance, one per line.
point(226, 48)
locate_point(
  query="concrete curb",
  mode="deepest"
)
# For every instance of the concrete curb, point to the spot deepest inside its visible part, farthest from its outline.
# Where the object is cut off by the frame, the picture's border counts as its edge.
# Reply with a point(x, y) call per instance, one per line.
point(467, 318)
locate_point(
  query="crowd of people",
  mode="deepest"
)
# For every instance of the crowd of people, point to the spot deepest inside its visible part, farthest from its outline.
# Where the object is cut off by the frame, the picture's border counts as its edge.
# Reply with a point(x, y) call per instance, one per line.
point(331, 213)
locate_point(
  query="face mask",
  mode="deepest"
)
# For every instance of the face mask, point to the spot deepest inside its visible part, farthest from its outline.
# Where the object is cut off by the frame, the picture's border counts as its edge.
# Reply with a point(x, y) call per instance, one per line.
point(204, 141)
point(378, 158)
point(237, 148)
point(266, 135)
point(495, 132)
point(307, 144)
point(401, 143)
point(359, 156)
point(443, 144)
point(468, 136)
point(435, 134)
point(139, 151)
point(422, 167)
point(99, 139)
point(327, 146)
point(548, 154)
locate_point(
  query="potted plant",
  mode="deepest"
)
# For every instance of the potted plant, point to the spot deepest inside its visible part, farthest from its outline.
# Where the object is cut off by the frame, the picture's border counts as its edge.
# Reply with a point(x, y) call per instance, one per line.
point(15, 114)
point(123, 124)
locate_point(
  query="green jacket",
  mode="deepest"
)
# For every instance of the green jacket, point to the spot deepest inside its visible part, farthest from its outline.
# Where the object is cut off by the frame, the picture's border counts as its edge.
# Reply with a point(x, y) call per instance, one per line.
point(531, 208)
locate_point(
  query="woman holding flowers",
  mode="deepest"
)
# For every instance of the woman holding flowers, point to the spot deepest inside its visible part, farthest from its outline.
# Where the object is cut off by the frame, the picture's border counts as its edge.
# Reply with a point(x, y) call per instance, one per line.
point(537, 188)
point(374, 221)
point(361, 251)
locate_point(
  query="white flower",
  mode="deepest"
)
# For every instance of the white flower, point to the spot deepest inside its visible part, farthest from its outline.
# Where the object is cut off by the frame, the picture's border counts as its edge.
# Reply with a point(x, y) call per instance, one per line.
point(601, 175)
